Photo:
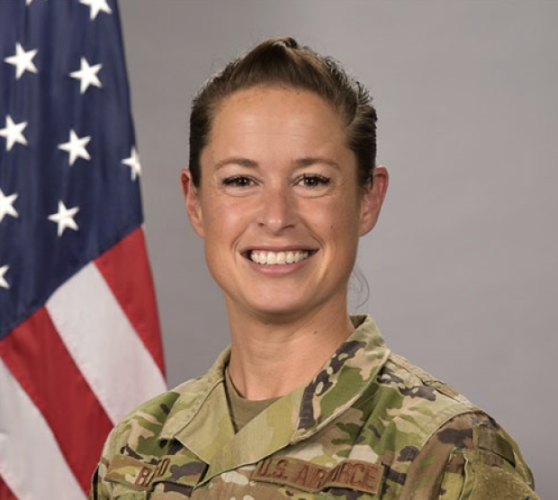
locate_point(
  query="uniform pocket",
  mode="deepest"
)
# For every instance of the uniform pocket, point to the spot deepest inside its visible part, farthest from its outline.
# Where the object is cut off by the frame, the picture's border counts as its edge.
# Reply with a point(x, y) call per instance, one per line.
point(344, 494)
point(122, 492)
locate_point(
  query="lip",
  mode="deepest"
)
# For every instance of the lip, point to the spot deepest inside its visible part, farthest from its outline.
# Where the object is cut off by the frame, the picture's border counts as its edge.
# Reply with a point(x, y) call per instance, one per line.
point(275, 248)
point(278, 269)
point(291, 248)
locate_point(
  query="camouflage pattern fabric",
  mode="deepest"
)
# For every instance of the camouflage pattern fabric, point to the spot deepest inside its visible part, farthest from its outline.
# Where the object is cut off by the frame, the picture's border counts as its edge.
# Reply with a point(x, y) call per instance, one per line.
point(370, 425)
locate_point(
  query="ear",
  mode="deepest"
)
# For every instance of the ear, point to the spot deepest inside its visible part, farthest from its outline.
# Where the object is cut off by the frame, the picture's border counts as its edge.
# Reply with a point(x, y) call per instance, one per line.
point(372, 199)
point(192, 201)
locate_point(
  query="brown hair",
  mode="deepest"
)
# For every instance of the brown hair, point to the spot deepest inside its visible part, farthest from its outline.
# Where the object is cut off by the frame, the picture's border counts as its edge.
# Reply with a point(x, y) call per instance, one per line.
point(282, 61)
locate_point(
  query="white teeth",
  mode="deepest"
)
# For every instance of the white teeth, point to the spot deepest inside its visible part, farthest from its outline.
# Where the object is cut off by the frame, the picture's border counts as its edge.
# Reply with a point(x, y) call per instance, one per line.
point(271, 257)
point(274, 258)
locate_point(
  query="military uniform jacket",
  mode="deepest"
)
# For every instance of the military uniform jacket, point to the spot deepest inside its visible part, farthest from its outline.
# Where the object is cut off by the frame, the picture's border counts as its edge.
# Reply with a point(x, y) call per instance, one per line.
point(370, 425)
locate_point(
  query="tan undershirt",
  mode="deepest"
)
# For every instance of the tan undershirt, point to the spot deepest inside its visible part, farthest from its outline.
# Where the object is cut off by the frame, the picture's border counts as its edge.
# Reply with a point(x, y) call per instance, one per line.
point(243, 410)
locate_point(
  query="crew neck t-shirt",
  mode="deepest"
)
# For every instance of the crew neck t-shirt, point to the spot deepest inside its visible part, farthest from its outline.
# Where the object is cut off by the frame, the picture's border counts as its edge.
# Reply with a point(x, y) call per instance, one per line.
point(243, 410)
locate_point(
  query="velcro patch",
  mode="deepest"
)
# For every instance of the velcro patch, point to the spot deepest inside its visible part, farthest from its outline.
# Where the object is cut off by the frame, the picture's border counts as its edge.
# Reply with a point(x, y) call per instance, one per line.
point(489, 440)
point(307, 476)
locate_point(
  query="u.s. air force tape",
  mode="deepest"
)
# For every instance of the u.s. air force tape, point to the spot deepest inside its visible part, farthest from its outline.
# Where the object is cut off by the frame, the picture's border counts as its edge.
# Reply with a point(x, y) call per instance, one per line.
point(355, 474)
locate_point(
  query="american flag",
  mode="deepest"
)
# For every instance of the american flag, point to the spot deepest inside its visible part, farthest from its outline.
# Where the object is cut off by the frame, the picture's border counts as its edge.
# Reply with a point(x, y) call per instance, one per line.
point(79, 333)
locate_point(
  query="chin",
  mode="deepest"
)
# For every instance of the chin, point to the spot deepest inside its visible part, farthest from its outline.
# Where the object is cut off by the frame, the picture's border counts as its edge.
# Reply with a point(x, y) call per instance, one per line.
point(278, 316)
point(272, 307)
point(276, 309)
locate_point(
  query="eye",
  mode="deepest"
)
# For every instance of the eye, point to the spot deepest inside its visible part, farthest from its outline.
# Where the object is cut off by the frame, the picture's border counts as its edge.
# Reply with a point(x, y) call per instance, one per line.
point(314, 180)
point(237, 181)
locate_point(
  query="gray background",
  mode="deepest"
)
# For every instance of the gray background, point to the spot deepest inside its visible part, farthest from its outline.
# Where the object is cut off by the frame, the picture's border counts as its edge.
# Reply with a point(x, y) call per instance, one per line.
point(462, 266)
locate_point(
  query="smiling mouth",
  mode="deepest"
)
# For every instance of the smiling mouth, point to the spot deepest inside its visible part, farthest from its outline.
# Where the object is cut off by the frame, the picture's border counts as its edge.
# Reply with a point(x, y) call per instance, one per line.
point(265, 257)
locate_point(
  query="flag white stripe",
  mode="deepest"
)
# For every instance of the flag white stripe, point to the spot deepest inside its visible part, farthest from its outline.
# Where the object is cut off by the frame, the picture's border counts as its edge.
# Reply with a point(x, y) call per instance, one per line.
point(103, 343)
point(31, 463)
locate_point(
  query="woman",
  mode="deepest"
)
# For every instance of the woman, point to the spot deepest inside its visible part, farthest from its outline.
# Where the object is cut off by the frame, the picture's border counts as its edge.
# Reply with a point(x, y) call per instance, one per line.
point(308, 402)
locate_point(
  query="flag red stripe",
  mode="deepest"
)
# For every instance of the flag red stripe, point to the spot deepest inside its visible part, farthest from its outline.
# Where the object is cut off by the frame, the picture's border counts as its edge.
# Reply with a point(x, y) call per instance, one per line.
point(40, 362)
point(5, 492)
point(126, 270)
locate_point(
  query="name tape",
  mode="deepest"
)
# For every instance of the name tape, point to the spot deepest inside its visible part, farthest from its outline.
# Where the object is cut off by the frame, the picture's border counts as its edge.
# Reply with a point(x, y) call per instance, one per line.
point(141, 475)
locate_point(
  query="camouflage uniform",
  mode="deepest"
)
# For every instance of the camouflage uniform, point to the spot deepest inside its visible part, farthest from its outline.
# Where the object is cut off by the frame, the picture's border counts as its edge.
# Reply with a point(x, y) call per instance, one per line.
point(370, 425)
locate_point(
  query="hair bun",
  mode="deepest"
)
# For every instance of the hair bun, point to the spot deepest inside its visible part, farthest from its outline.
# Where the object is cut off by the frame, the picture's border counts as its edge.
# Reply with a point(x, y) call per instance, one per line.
point(286, 41)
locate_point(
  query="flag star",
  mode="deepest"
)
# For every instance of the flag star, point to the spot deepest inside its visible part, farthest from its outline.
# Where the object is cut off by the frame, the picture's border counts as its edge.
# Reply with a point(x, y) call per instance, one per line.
point(134, 163)
point(3, 282)
point(13, 132)
point(76, 147)
point(7, 205)
point(23, 61)
point(96, 6)
point(64, 218)
point(87, 75)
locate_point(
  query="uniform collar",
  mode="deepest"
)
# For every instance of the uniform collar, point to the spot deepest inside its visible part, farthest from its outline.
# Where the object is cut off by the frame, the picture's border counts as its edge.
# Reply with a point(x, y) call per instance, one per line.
point(200, 417)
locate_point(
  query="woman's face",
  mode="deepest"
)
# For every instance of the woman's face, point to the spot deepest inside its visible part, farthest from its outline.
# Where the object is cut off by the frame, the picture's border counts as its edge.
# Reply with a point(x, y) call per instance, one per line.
point(278, 204)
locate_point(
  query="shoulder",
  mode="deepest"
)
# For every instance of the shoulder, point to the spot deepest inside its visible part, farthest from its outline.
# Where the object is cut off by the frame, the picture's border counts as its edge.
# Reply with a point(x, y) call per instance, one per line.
point(413, 395)
point(412, 380)
point(142, 427)
point(139, 434)
point(471, 457)
point(444, 443)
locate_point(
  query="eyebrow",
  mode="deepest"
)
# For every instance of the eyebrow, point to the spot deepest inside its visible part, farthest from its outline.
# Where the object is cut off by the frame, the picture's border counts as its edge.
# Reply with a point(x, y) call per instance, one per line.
point(301, 162)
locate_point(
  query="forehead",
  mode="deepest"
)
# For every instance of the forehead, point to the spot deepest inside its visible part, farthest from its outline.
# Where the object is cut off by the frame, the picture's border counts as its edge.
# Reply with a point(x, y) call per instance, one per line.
point(275, 101)
point(272, 91)
point(276, 120)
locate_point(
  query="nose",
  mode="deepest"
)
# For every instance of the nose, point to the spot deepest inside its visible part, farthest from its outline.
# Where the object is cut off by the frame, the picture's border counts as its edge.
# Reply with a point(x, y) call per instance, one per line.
point(278, 209)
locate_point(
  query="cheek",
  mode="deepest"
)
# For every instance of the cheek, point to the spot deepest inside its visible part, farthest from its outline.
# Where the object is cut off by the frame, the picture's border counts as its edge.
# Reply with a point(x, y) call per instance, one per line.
point(335, 220)
point(214, 213)
point(223, 223)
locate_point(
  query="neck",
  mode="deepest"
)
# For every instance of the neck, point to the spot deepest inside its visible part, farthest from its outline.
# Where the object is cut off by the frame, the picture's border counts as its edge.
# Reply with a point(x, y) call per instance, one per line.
point(272, 358)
